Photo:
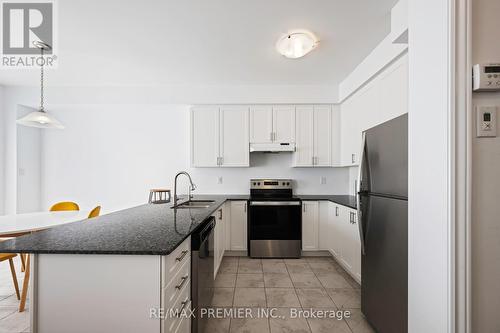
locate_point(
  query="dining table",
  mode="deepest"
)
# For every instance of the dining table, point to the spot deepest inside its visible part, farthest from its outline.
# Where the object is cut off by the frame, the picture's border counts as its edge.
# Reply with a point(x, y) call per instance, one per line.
point(17, 225)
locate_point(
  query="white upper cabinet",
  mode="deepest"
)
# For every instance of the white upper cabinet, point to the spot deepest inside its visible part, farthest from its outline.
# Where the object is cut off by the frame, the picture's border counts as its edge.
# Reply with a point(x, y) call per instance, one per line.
point(304, 150)
point(336, 135)
point(322, 135)
point(314, 136)
point(219, 136)
point(383, 98)
point(234, 146)
point(205, 136)
point(272, 124)
point(261, 124)
point(284, 123)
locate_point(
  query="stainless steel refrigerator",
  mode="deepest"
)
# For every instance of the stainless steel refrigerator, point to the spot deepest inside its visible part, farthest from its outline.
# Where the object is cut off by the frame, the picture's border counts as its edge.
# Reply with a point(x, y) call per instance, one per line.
point(383, 216)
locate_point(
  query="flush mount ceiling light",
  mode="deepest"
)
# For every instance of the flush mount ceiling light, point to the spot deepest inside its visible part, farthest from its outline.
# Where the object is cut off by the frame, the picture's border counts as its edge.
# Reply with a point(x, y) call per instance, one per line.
point(297, 44)
point(40, 118)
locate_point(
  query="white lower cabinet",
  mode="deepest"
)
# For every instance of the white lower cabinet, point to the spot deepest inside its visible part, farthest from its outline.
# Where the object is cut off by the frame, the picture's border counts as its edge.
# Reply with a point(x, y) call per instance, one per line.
point(334, 228)
point(345, 243)
point(219, 237)
point(176, 291)
point(325, 224)
point(238, 225)
point(310, 223)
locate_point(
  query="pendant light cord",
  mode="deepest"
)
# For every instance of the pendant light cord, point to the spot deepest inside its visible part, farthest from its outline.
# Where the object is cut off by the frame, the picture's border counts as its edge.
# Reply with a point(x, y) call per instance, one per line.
point(41, 81)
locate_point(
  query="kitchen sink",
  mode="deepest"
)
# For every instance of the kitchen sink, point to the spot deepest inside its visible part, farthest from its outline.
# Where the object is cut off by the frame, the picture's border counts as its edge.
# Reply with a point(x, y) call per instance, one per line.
point(195, 204)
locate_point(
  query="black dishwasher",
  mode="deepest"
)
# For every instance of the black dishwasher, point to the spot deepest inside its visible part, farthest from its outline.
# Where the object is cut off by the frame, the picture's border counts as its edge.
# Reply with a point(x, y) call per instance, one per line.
point(202, 272)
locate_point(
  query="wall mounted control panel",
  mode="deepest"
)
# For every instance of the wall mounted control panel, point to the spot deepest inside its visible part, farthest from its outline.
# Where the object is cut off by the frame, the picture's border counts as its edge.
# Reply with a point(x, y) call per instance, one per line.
point(486, 125)
point(486, 77)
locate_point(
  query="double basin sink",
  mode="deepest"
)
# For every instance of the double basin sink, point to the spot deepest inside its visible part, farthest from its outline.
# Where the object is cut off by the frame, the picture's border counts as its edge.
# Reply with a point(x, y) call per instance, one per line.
point(194, 204)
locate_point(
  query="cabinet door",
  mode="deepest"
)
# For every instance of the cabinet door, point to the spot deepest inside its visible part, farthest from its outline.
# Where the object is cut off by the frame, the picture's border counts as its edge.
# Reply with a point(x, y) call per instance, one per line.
point(356, 247)
point(336, 135)
point(238, 225)
point(346, 253)
point(322, 135)
point(204, 136)
point(261, 124)
point(310, 212)
point(234, 147)
point(217, 242)
point(284, 123)
point(304, 150)
point(336, 239)
point(324, 225)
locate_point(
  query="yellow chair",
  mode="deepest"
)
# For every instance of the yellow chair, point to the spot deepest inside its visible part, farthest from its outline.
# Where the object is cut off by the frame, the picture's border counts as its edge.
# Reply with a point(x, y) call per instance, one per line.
point(95, 212)
point(9, 257)
point(65, 205)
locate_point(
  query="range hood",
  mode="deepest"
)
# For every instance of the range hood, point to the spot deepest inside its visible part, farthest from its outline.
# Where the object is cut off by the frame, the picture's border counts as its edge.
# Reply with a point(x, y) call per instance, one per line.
point(274, 147)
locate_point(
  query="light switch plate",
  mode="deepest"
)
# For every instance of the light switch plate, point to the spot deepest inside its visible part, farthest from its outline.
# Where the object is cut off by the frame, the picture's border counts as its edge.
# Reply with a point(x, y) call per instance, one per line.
point(322, 180)
point(486, 121)
point(219, 180)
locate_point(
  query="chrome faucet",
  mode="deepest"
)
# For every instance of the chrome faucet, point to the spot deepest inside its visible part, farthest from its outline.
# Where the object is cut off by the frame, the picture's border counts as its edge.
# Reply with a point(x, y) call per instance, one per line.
point(191, 188)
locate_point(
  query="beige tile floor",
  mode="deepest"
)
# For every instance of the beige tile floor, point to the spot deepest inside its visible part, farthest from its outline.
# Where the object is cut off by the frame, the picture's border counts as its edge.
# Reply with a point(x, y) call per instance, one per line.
point(309, 283)
point(317, 283)
point(11, 320)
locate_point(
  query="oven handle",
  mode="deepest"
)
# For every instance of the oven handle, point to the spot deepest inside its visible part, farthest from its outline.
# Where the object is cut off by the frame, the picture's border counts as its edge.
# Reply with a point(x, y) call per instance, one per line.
point(275, 203)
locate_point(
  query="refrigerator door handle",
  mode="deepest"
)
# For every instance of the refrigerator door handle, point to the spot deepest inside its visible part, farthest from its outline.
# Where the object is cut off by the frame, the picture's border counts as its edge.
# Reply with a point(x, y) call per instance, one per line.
point(358, 194)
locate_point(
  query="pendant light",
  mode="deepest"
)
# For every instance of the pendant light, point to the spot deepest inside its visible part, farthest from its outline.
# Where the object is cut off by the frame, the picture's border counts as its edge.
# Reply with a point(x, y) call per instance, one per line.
point(40, 118)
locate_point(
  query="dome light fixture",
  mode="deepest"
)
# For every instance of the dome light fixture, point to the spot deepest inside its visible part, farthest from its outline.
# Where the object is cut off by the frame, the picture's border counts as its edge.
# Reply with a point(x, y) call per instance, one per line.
point(297, 43)
point(40, 118)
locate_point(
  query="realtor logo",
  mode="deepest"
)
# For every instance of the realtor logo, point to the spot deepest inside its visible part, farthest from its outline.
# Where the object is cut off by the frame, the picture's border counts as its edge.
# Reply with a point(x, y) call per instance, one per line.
point(22, 24)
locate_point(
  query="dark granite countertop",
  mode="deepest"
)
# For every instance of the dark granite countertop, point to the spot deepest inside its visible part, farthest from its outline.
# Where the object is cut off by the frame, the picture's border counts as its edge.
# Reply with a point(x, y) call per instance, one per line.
point(344, 200)
point(142, 230)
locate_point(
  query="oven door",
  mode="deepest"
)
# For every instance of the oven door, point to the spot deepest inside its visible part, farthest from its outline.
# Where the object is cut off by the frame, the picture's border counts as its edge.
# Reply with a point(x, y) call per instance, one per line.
point(275, 229)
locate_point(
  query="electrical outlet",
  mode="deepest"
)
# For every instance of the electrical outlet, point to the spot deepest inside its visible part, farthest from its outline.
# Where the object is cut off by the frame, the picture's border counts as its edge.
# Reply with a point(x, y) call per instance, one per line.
point(322, 180)
point(219, 180)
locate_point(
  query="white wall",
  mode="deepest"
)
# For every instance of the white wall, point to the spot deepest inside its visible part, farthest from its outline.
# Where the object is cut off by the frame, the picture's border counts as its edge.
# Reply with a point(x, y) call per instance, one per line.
point(29, 166)
point(430, 286)
point(485, 222)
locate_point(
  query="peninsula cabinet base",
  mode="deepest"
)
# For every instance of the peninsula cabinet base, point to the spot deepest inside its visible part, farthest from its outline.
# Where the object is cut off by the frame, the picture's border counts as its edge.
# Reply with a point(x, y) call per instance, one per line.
point(96, 293)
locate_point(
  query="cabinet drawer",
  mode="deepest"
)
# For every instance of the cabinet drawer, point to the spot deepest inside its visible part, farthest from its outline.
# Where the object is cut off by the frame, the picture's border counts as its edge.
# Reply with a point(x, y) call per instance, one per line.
point(174, 314)
point(176, 284)
point(175, 260)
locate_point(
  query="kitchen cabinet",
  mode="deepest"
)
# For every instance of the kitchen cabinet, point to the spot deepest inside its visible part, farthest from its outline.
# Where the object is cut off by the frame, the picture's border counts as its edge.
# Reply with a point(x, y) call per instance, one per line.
point(219, 136)
point(234, 146)
point(284, 123)
point(344, 243)
point(261, 124)
point(238, 228)
point(205, 136)
point(383, 98)
point(310, 222)
point(313, 136)
point(325, 224)
point(272, 124)
point(219, 238)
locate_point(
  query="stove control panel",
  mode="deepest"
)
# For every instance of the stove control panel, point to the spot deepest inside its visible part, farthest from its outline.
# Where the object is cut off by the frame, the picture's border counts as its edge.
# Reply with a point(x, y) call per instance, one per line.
point(268, 184)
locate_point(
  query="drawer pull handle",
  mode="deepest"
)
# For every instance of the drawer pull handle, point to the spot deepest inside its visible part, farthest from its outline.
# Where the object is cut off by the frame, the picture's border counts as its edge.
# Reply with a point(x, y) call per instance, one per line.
point(182, 255)
point(186, 302)
point(183, 280)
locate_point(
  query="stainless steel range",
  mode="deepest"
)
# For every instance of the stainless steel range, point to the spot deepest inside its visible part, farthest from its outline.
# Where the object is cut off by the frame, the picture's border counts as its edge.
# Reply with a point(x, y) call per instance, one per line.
point(275, 219)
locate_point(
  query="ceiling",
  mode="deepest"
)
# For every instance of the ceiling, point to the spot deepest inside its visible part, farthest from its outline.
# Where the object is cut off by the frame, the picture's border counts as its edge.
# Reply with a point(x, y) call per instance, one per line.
point(200, 42)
